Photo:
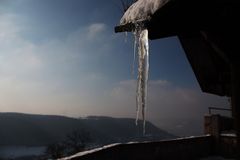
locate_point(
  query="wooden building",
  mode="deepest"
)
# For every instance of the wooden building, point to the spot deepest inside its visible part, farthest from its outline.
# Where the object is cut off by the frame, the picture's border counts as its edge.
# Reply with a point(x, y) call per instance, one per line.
point(209, 32)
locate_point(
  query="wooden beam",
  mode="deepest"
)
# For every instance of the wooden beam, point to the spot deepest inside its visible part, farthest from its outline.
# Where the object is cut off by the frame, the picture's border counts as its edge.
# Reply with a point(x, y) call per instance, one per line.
point(130, 27)
point(125, 28)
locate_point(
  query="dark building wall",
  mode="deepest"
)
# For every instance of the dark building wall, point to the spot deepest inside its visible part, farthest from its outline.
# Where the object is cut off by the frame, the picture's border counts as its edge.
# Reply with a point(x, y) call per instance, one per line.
point(228, 146)
point(224, 137)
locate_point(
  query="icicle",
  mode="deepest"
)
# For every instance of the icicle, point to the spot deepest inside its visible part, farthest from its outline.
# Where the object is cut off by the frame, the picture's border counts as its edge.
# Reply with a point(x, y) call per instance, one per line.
point(143, 68)
point(126, 37)
point(134, 50)
point(136, 45)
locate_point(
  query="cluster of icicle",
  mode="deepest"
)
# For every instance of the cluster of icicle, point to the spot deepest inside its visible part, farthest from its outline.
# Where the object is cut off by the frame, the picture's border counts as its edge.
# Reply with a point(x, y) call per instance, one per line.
point(141, 42)
point(139, 11)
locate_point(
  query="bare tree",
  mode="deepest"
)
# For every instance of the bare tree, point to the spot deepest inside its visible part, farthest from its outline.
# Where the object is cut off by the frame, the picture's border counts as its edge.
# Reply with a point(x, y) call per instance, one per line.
point(76, 141)
point(56, 150)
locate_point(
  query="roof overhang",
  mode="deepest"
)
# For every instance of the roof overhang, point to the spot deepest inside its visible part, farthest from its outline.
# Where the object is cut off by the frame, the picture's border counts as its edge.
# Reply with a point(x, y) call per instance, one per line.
point(208, 31)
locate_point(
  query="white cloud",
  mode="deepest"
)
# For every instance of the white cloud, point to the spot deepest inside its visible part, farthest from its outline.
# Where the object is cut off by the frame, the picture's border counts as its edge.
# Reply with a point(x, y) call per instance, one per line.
point(20, 55)
point(49, 77)
point(168, 106)
point(7, 30)
point(95, 29)
point(163, 94)
point(159, 82)
point(17, 55)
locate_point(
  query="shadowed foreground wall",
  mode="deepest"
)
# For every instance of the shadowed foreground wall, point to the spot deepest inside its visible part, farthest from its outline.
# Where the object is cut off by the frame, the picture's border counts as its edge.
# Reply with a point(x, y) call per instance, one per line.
point(186, 148)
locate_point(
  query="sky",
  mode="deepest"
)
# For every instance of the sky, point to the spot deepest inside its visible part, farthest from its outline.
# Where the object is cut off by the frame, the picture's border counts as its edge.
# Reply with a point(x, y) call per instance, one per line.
point(62, 57)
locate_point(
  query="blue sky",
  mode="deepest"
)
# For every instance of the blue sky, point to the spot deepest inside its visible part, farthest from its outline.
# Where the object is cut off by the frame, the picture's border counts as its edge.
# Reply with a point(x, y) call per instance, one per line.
point(63, 57)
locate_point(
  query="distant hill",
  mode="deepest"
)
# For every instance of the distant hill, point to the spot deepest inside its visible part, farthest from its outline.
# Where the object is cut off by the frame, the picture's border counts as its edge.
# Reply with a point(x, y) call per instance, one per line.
point(41, 130)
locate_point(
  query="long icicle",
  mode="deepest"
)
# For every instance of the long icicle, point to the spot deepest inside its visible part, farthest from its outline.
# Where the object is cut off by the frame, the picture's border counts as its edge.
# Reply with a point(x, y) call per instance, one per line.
point(143, 69)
